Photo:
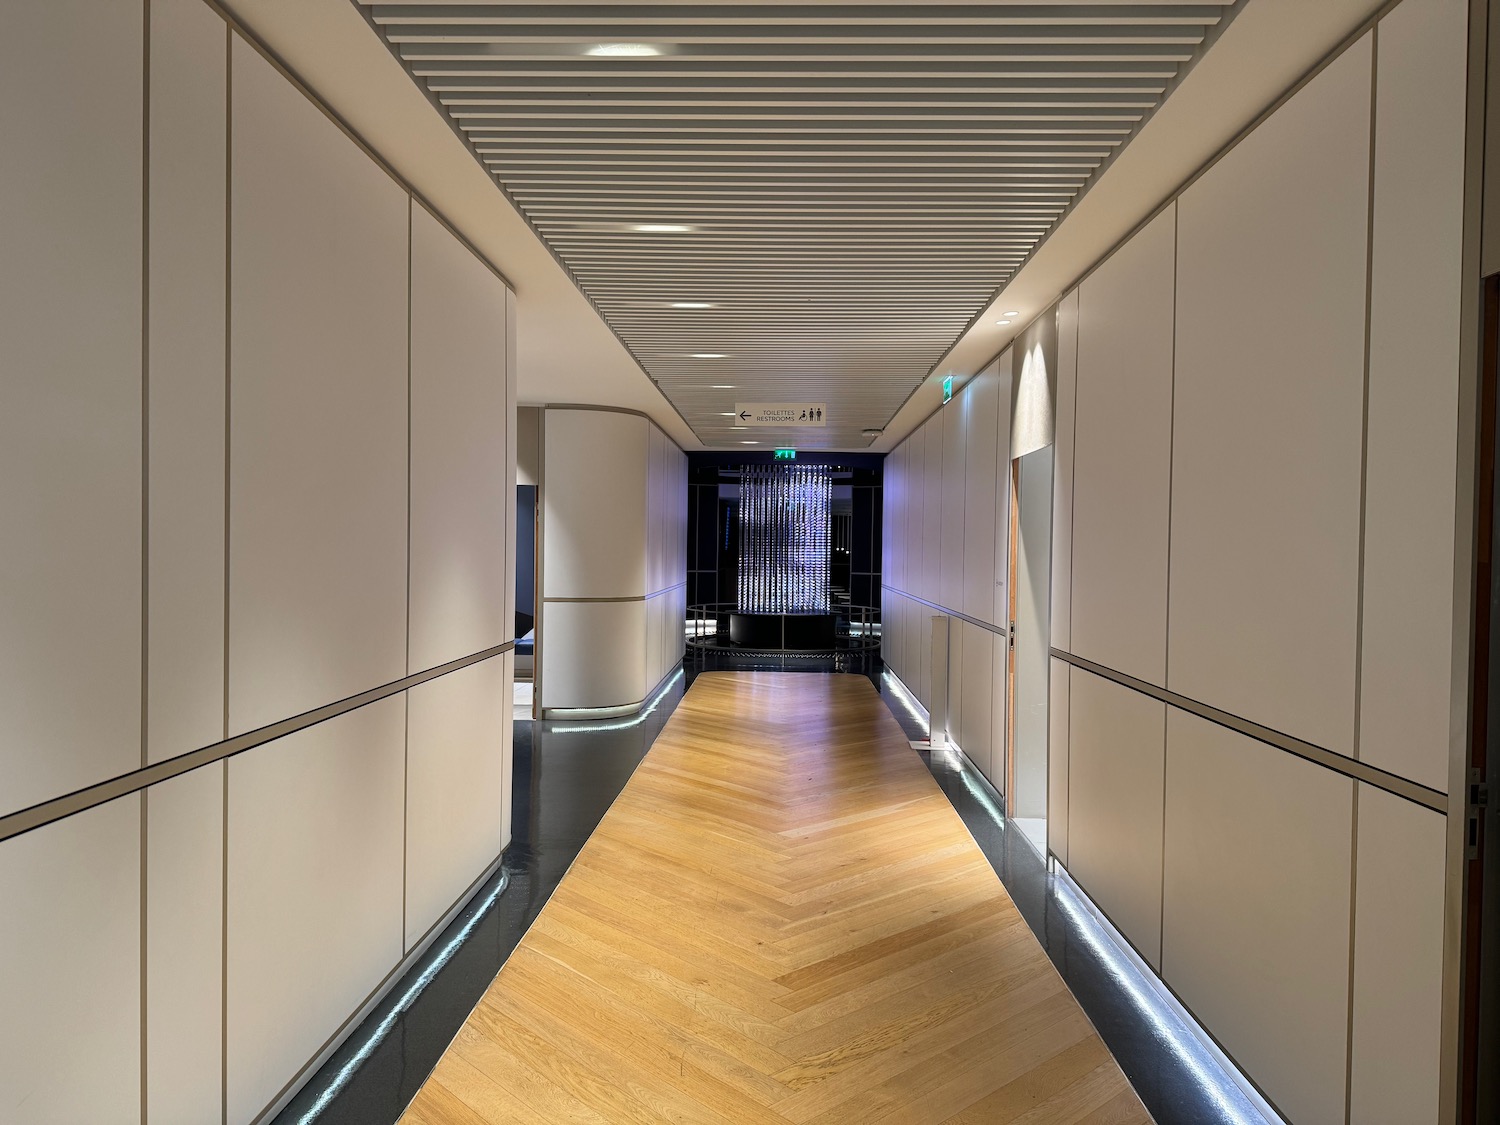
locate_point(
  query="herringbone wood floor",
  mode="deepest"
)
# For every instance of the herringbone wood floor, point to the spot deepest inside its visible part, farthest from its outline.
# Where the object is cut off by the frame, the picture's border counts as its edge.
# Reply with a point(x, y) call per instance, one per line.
point(780, 919)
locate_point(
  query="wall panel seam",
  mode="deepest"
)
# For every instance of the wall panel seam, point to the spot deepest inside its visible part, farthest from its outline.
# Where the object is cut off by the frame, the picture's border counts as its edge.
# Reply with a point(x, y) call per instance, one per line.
point(1317, 755)
point(145, 529)
point(228, 416)
point(1359, 592)
point(81, 800)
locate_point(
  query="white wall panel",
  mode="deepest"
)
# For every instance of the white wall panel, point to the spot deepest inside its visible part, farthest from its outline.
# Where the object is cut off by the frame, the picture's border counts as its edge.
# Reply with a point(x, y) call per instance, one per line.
point(507, 752)
point(70, 970)
point(186, 376)
point(1270, 357)
point(977, 697)
point(1415, 291)
point(594, 654)
point(1255, 935)
point(981, 405)
point(455, 787)
point(318, 389)
point(916, 499)
point(889, 484)
point(951, 538)
point(314, 891)
point(1116, 761)
point(923, 686)
point(512, 452)
point(70, 428)
point(528, 437)
point(655, 495)
point(655, 657)
point(184, 947)
point(1001, 613)
point(1058, 739)
point(1398, 962)
point(954, 682)
point(929, 585)
point(459, 440)
point(1122, 470)
point(999, 714)
point(595, 504)
point(1062, 484)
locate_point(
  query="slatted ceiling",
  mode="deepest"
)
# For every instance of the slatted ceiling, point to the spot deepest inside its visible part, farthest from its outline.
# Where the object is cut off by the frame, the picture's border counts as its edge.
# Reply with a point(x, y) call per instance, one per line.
point(860, 177)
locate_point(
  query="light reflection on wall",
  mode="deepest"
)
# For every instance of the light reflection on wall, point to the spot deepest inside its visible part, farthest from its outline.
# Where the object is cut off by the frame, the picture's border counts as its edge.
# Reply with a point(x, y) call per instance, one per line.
point(784, 539)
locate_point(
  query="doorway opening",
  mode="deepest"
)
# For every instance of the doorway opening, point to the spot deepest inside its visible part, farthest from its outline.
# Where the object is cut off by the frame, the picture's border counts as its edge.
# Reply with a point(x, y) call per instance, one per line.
point(1028, 671)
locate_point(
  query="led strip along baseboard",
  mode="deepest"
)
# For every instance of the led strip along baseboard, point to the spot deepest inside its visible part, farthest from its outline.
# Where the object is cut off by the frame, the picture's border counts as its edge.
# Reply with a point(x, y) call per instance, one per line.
point(81, 800)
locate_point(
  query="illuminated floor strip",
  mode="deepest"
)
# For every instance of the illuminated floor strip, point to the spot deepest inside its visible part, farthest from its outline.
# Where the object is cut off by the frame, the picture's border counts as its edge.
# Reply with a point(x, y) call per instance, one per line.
point(1196, 1083)
point(375, 1034)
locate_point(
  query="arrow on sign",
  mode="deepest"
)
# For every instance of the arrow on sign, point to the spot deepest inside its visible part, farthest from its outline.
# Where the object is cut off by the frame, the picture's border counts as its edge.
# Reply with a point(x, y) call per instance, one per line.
point(744, 415)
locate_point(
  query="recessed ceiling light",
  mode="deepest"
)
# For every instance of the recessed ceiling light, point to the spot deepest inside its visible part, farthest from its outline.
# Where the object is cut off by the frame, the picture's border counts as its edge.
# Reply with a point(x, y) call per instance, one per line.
point(726, 414)
point(721, 386)
point(749, 443)
point(708, 355)
point(662, 228)
point(1011, 313)
point(692, 305)
point(623, 50)
point(1002, 322)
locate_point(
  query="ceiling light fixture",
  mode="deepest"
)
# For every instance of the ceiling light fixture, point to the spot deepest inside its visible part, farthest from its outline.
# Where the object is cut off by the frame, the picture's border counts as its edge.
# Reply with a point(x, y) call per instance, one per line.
point(749, 443)
point(692, 305)
point(662, 228)
point(623, 50)
point(1002, 322)
point(1011, 313)
point(708, 355)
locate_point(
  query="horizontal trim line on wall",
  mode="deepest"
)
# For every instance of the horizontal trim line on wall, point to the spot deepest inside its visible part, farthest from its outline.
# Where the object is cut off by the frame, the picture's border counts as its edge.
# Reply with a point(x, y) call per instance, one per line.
point(1318, 755)
point(81, 800)
point(998, 630)
point(1339, 763)
point(623, 598)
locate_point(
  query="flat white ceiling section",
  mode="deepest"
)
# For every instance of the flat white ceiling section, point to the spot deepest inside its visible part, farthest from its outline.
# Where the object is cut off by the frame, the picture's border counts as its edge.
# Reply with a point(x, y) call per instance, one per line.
point(856, 180)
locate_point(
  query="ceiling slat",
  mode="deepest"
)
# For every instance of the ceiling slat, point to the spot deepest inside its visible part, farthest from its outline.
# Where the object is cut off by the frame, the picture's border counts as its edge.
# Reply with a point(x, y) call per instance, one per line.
point(844, 183)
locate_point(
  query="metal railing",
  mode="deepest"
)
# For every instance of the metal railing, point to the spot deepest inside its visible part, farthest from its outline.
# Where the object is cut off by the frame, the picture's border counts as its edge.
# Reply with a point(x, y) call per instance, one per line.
point(857, 638)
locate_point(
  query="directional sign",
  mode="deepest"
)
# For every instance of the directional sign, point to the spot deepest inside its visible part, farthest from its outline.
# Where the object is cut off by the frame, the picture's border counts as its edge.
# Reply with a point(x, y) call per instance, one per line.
point(781, 414)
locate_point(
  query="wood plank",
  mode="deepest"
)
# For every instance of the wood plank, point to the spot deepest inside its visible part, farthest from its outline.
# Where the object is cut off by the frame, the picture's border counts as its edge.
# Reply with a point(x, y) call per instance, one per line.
point(781, 919)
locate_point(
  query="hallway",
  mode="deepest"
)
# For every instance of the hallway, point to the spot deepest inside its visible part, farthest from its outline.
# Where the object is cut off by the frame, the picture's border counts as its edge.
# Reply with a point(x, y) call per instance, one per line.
point(785, 951)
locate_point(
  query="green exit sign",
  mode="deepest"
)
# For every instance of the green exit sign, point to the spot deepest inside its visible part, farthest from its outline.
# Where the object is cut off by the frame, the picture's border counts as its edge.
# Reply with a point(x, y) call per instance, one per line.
point(786, 455)
point(947, 388)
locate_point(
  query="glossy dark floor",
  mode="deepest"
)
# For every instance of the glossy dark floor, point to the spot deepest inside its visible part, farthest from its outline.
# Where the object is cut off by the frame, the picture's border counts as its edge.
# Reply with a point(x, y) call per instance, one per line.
point(567, 774)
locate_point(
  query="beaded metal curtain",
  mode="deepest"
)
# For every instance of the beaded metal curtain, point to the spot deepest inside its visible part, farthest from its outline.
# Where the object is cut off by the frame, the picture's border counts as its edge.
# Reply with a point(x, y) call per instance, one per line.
point(784, 539)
